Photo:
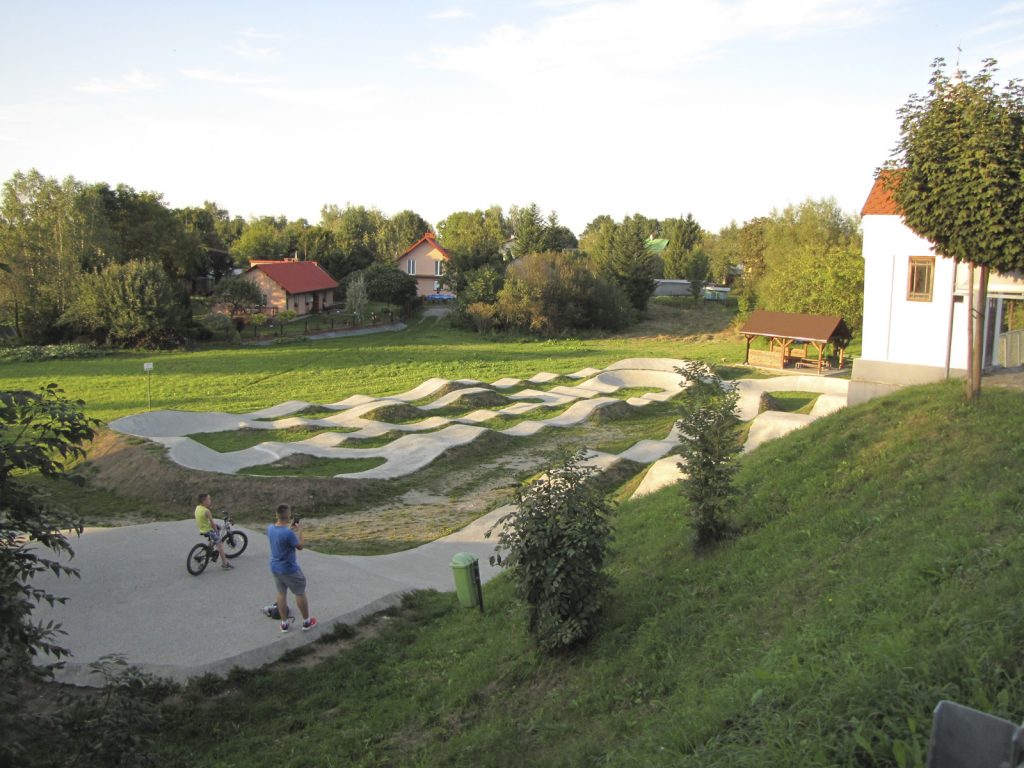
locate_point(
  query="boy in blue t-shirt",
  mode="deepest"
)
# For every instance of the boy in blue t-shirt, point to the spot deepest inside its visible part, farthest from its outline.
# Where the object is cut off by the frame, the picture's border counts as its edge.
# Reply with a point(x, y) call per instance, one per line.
point(285, 538)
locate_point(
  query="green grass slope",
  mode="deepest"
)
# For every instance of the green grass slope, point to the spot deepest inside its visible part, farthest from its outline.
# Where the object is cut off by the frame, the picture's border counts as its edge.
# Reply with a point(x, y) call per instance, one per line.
point(878, 570)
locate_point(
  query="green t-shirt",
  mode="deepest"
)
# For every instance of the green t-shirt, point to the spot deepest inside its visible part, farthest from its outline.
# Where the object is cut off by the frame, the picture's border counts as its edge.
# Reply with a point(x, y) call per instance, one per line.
point(203, 519)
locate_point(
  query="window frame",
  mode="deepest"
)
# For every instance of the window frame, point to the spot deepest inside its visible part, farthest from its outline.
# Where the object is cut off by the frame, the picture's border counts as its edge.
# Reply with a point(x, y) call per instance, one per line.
point(915, 265)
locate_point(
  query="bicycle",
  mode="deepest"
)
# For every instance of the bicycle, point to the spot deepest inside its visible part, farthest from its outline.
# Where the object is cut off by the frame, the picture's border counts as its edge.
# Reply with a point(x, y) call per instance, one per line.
point(200, 555)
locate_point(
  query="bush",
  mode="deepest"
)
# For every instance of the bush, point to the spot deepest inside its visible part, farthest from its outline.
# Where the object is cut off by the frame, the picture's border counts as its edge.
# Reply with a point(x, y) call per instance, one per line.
point(550, 293)
point(710, 444)
point(31, 354)
point(555, 545)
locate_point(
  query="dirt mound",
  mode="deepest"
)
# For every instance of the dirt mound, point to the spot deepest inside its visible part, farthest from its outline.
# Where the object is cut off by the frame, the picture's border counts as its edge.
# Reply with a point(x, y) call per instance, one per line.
point(135, 469)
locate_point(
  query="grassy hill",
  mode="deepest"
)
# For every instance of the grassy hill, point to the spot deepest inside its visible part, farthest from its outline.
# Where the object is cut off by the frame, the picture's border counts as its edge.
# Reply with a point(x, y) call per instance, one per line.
point(878, 570)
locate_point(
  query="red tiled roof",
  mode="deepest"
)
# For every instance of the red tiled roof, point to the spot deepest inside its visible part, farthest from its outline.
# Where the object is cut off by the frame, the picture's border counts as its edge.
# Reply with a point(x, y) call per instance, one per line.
point(880, 202)
point(297, 276)
point(429, 237)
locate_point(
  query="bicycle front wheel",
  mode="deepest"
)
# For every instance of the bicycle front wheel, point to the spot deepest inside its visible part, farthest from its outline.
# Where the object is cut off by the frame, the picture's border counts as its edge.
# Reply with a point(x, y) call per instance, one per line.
point(235, 544)
point(198, 557)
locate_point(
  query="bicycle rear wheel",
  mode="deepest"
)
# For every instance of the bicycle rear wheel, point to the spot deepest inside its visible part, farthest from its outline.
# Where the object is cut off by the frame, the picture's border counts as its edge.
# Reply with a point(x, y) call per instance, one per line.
point(235, 544)
point(198, 557)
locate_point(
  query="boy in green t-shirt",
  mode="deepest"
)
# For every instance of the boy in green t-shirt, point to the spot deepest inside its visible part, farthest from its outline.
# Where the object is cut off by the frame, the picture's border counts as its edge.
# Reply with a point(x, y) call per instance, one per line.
point(204, 519)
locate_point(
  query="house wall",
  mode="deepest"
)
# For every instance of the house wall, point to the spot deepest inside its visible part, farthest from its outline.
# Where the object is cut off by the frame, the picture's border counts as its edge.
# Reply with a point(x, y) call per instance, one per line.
point(277, 299)
point(897, 330)
point(273, 294)
point(426, 255)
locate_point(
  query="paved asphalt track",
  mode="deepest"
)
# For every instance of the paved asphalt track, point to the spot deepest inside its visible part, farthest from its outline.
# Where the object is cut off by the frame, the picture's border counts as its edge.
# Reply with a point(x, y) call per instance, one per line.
point(136, 599)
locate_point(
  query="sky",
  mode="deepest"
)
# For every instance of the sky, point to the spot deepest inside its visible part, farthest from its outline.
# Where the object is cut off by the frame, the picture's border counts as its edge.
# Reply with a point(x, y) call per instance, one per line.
point(726, 110)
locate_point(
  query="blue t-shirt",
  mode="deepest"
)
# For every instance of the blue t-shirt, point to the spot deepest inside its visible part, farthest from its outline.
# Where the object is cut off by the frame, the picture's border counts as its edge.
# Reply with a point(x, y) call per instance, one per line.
point(283, 542)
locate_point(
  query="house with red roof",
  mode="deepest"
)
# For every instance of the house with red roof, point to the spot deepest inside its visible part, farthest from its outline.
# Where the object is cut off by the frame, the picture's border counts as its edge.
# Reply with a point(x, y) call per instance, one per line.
point(426, 261)
point(915, 306)
point(300, 286)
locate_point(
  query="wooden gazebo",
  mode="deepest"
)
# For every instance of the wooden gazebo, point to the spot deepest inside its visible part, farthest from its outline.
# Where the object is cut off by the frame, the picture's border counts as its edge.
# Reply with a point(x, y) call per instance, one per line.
point(790, 334)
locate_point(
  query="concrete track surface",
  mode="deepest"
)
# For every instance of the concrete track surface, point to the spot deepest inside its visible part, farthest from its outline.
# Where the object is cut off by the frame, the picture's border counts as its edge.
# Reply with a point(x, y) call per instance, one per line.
point(137, 600)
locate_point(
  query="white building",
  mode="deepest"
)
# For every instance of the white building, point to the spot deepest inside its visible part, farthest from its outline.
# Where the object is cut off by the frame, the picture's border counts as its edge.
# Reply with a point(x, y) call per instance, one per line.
point(915, 308)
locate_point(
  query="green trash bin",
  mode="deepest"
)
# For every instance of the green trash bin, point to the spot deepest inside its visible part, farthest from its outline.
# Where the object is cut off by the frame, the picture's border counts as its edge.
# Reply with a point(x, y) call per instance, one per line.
point(466, 570)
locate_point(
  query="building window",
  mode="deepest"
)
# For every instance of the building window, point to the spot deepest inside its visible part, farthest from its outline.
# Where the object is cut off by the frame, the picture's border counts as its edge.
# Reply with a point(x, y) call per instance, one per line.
point(410, 266)
point(920, 279)
point(438, 268)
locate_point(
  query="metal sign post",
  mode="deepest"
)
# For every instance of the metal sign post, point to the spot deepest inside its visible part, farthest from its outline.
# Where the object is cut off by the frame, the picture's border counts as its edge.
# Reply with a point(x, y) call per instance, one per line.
point(148, 368)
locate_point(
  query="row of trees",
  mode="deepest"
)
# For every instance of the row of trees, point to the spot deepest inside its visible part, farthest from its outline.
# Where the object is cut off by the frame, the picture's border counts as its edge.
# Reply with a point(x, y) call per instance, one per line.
point(118, 266)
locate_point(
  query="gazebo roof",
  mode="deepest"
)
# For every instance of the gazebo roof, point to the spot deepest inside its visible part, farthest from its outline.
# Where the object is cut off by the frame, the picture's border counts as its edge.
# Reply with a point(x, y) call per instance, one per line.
point(795, 325)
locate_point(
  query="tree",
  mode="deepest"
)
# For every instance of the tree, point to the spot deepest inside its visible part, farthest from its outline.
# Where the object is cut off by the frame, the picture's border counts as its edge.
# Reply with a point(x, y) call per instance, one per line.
point(555, 545)
point(356, 299)
point(133, 304)
point(709, 446)
point(629, 263)
point(237, 294)
point(529, 229)
point(812, 262)
point(473, 240)
point(684, 237)
point(958, 177)
point(45, 237)
point(262, 238)
point(395, 235)
point(39, 431)
point(388, 284)
point(355, 232)
point(549, 293)
point(697, 274)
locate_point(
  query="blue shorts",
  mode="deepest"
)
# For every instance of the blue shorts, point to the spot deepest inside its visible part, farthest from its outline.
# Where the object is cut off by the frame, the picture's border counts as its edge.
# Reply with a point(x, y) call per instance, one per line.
point(296, 582)
point(213, 536)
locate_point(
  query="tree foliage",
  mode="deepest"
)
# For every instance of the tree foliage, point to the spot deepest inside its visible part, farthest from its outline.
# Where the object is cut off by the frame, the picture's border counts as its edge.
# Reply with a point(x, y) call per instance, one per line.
point(685, 238)
point(958, 175)
point(237, 294)
point(555, 545)
point(356, 298)
point(812, 262)
point(709, 446)
point(549, 293)
point(389, 284)
point(39, 432)
point(127, 305)
point(628, 262)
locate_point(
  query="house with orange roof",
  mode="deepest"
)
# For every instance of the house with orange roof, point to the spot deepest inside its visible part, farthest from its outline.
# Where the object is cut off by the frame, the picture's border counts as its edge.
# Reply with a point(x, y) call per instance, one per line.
point(426, 261)
point(303, 287)
point(915, 306)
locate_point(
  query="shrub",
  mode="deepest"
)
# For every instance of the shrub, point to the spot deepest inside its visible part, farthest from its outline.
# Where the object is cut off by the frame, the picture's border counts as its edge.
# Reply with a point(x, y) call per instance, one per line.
point(31, 354)
point(555, 545)
point(707, 432)
point(549, 293)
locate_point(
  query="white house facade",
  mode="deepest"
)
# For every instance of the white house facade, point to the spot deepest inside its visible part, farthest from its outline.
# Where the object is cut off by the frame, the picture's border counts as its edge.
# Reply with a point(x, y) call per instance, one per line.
point(915, 308)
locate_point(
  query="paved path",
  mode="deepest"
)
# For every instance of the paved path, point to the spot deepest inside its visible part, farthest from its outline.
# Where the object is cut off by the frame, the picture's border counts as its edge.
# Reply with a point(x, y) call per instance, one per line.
point(136, 599)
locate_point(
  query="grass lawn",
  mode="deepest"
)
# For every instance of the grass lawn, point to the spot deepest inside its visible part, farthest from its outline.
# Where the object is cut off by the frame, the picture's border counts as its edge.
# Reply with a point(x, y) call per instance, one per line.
point(242, 379)
point(877, 570)
point(240, 439)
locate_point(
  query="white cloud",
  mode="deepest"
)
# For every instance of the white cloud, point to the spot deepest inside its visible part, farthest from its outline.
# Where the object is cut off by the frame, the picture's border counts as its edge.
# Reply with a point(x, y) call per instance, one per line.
point(133, 81)
point(451, 13)
point(215, 76)
point(610, 41)
point(246, 50)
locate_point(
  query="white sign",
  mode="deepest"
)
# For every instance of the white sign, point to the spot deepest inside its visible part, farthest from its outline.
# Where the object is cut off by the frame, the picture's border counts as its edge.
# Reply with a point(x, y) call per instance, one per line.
point(147, 366)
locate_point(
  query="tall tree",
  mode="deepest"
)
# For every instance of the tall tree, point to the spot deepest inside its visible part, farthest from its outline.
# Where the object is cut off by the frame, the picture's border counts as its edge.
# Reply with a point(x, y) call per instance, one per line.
point(959, 177)
point(685, 236)
point(812, 262)
point(355, 232)
point(45, 236)
point(262, 238)
point(529, 229)
point(629, 263)
point(397, 233)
